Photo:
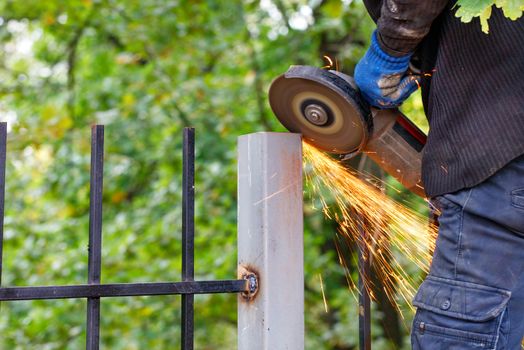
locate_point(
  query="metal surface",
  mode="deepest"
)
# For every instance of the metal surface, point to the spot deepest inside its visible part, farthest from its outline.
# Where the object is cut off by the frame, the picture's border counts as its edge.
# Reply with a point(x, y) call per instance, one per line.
point(270, 241)
point(188, 233)
point(316, 114)
point(93, 291)
point(95, 234)
point(396, 146)
point(324, 106)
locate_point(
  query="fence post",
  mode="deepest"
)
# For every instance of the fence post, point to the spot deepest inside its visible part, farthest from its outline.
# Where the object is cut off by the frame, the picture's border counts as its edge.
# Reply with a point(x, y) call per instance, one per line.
point(270, 241)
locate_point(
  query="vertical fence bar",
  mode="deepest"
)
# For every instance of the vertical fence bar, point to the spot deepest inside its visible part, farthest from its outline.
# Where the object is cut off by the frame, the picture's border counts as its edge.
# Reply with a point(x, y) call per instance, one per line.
point(3, 149)
point(364, 307)
point(270, 241)
point(188, 236)
point(95, 234)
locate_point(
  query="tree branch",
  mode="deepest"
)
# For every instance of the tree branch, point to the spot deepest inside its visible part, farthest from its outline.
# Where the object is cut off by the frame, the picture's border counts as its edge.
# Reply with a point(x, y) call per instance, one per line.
point(151, 57)
point(259, 84)
point(72, 49)
point(282, 9)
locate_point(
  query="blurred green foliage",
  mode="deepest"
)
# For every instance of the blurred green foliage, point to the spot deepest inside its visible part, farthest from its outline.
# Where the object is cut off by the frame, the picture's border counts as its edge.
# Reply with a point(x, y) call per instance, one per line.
point(146, 69)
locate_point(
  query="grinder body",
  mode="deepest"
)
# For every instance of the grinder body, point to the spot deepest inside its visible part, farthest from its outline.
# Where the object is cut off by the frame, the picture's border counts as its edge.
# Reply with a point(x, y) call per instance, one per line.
point(396, 145)
point(327, 109)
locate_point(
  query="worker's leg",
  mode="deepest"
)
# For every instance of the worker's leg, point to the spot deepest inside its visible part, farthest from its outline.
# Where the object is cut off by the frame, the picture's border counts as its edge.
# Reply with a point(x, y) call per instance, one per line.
point(474, 295)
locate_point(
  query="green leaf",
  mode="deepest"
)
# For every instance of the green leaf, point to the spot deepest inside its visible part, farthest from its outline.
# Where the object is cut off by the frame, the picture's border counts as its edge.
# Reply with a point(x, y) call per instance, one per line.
point(469, 9)
point(513, 9)
point(333, 8)
point(484, 16)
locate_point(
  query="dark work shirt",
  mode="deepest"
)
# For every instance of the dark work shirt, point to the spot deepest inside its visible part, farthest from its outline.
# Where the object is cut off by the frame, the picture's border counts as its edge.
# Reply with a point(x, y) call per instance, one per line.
point(473, 90)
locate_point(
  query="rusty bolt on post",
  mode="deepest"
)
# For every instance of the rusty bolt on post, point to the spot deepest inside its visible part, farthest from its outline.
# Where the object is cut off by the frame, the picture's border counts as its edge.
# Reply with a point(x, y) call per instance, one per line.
point(252, 283)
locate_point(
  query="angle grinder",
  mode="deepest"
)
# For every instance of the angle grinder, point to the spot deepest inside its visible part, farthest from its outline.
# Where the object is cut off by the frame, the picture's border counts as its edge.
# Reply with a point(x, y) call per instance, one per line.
point(326, 107)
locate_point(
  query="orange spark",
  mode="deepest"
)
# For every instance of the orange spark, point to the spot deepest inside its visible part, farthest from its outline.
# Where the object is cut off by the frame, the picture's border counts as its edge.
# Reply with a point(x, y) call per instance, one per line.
point(323, 294)
point(330, 63)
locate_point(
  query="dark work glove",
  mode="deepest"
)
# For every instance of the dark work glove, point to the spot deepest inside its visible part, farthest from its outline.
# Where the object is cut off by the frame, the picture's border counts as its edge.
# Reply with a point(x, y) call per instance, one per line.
point(383, 80)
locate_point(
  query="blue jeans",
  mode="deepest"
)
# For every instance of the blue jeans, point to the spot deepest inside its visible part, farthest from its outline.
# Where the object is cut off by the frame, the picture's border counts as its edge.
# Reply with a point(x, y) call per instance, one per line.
point(473, 297)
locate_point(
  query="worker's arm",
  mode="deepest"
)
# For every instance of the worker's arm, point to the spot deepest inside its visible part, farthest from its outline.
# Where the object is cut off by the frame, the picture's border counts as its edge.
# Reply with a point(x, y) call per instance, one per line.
point(381, 73)
point(404, 23)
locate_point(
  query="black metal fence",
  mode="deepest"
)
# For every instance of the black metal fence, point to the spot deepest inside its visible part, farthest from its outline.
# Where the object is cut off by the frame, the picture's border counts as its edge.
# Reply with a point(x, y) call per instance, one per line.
point(187, 288)
point(93, 290)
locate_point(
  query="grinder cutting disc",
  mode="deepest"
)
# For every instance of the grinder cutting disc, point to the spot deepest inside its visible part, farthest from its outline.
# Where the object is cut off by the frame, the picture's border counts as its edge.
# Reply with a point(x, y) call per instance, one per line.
point(324, 106)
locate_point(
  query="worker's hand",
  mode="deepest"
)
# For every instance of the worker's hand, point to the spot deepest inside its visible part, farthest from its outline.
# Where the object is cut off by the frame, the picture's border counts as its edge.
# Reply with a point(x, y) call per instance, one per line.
point(383, 79)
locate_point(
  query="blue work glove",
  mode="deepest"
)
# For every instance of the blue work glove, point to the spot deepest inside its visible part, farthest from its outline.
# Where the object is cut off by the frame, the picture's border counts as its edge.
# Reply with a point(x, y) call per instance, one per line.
point(382, 79)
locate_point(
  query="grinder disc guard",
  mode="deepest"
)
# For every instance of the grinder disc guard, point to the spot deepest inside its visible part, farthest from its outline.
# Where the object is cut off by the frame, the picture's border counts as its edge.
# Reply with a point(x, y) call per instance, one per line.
point(324, 106)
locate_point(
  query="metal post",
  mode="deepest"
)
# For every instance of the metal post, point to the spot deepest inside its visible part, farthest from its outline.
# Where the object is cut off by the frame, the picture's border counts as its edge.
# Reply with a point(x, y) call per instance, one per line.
point(3, 148)
point(364, 271)
point(188, 236)
point(95, 235)
point(270, 242)
point(364, 300)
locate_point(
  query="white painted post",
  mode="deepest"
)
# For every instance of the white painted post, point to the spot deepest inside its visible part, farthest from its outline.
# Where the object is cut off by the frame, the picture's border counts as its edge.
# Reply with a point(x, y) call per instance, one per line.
point(270, 241)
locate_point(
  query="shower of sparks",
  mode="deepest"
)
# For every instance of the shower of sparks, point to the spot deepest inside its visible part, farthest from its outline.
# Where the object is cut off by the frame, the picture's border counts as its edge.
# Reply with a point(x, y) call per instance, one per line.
point(395, 235)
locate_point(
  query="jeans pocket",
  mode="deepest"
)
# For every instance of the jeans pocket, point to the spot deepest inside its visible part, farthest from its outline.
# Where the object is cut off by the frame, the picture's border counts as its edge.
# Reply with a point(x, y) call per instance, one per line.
point(517, 198)
point(458, 315)
point(443, 203)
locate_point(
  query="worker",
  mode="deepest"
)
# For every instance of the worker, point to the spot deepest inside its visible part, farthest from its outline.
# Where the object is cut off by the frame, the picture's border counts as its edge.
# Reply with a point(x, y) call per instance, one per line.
point(473, 163)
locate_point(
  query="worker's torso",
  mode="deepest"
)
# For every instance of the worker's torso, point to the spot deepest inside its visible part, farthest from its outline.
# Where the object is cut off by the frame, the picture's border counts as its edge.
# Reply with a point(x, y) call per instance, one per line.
point(473, 95)
point(474, 100)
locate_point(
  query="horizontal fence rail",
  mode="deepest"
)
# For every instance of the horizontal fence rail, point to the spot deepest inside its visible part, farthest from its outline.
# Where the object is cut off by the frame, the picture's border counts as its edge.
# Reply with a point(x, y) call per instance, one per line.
point(94, 290)
point(122, 290)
